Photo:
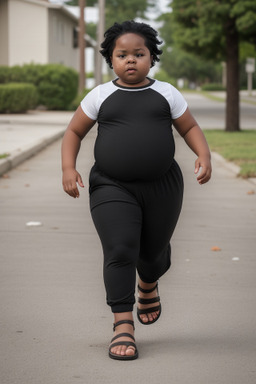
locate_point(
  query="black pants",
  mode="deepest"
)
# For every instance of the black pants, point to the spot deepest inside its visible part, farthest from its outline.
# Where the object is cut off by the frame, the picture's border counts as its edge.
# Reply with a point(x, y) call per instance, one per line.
point(135, 222)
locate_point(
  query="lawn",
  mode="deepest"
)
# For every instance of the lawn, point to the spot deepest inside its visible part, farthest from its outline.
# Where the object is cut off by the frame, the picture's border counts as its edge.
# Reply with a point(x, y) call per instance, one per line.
point(3, 155)
point(238, 147)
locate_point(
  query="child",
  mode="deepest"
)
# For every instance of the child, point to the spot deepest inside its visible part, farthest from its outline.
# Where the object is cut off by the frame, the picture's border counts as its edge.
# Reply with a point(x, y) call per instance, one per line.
point(136, 186)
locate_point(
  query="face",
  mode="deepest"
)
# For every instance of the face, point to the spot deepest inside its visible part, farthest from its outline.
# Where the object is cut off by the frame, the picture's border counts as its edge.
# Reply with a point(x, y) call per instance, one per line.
point(131, 60)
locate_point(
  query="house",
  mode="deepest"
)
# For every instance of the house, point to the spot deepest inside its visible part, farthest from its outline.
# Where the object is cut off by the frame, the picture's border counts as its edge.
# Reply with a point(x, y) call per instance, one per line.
point(40, 32)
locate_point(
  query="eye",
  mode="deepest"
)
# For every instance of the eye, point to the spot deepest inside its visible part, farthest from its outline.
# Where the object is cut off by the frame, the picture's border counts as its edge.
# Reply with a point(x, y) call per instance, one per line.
point(121, 56)
point(139, 55)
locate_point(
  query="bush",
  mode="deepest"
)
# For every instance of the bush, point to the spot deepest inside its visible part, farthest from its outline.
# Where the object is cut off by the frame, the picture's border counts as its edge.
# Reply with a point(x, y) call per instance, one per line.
point(161, 75)
point(58, 87)
point(213, 87)
point(17, 97)
point(5, 73)
point(75, 103)
point(56, 84)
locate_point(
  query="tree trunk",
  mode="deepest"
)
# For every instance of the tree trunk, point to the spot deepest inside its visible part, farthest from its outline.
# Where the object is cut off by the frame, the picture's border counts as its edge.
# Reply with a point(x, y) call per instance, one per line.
point(232, 101)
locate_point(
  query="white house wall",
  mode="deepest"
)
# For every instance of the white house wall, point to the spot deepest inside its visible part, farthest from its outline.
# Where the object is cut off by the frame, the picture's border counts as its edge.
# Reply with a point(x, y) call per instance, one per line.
point(4, 32)
point(61, 48)
point(28, 33)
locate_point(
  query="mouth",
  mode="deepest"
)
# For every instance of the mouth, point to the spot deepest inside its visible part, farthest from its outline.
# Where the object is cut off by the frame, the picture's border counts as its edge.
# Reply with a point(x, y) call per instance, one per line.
point(131, 70)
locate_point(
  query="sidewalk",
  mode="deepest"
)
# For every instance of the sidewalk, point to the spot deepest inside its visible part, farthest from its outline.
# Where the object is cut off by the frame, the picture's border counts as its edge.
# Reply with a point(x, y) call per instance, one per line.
point(245, 96)
point(24, 135)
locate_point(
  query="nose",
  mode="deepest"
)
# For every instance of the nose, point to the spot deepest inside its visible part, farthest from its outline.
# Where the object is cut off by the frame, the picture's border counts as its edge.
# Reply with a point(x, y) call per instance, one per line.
point(131, 59)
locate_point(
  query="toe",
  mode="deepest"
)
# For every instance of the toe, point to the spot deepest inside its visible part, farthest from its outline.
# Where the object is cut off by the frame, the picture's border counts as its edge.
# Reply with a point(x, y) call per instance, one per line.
point(144, 318)
point(130, 351)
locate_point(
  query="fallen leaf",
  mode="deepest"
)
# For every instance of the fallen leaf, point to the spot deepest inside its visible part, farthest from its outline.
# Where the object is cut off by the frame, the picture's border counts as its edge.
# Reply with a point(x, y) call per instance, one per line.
point(6, 176)
point(215, 249)
point(251, 192)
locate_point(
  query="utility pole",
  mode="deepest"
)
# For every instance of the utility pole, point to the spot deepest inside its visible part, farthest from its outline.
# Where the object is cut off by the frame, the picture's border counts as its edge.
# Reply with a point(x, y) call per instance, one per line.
point(100, 36)
point(81, 40)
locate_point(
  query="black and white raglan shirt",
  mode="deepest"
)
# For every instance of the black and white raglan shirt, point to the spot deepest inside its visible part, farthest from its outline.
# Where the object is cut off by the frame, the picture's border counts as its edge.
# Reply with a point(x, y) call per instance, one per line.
point(135, 139)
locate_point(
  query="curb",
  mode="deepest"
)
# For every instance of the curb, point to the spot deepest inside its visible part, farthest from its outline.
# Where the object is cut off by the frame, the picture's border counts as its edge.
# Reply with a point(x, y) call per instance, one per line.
point(227, 164)
point(19, 156)
point(235, 169)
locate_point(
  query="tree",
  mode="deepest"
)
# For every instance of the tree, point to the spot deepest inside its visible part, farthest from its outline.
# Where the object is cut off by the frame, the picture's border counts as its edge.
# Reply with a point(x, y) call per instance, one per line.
point(121, 10)
point(178, 63)
point(213, 29)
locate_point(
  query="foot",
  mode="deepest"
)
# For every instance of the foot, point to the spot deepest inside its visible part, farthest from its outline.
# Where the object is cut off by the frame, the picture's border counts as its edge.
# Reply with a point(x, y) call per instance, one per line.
point(149, 317)
point(123, 350)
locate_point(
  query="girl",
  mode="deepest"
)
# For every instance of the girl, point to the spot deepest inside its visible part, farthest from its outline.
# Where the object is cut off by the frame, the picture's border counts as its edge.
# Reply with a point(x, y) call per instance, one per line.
point(136, 186)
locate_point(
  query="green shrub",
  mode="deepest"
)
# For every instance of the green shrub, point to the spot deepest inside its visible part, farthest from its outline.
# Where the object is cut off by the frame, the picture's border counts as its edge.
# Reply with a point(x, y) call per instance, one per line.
point(213, 87)
point(5, 74)
point(17, 97)
point(31, 73)
point(12, 75)
point(163, 76)
point(56, 84)
point(75, 103)
point(57, 87)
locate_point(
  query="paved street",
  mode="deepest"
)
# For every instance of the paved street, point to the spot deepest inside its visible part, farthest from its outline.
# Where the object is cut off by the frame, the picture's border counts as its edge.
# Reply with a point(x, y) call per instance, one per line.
point(55, 325)
point(211, 113)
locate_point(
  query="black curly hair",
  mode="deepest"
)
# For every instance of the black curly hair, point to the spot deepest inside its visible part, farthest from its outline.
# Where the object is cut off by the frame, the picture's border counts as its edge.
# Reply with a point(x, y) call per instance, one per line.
point(142, 29)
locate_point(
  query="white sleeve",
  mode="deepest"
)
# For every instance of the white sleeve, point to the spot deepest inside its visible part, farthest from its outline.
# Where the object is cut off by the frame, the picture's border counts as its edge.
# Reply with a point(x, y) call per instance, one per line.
point(90, 104)
point(178, 103)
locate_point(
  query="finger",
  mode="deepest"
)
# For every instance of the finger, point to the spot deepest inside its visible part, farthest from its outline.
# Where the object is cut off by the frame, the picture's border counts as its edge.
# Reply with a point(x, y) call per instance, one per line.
point(204, 177)
point(197, 166)
point(80, 181)
point(71, 190)
point(76, 193)
point(197, 169)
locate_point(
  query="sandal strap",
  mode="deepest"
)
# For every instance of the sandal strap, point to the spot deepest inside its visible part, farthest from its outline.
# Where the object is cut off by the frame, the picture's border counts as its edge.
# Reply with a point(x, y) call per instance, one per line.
point(147, 290)
point(123, 335)
point(148, 301)
point(123, 322)
point(149, 310)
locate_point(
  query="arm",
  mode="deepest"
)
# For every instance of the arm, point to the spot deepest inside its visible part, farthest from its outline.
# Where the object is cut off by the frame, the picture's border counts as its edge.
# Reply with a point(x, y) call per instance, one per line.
point(78, 127)
point(188, 128)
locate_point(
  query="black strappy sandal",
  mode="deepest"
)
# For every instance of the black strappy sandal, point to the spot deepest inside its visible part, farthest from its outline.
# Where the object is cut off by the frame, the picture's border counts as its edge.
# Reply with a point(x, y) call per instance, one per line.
point(149, 301)
point(127, 343)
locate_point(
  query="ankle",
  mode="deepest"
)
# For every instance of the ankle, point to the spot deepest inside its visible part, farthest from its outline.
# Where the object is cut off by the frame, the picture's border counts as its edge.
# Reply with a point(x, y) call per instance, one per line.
point(147, 286)
point(123, 316)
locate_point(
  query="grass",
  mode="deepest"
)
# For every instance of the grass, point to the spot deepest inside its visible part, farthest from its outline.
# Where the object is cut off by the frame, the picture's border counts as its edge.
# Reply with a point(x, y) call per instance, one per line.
point(238, 147)
point(213, 97)
point(4, 155)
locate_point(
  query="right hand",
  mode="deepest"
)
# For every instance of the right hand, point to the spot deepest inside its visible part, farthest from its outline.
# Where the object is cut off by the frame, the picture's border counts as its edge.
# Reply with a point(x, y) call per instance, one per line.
point(70, 179)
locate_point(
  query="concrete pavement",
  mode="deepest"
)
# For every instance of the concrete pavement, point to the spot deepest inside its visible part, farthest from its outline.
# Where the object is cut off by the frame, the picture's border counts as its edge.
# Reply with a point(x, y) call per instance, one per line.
point(55, 326)
point(24, 135)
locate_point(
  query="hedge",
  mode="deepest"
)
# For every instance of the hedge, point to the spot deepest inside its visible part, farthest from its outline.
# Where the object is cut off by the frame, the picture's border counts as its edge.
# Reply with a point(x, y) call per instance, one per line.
point(76, 102)
point(56, 84)
point(17, 97)
point(213, 87)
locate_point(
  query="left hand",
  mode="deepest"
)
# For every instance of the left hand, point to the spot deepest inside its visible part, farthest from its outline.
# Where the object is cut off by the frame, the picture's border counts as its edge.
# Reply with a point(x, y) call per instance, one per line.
point(204, 168)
